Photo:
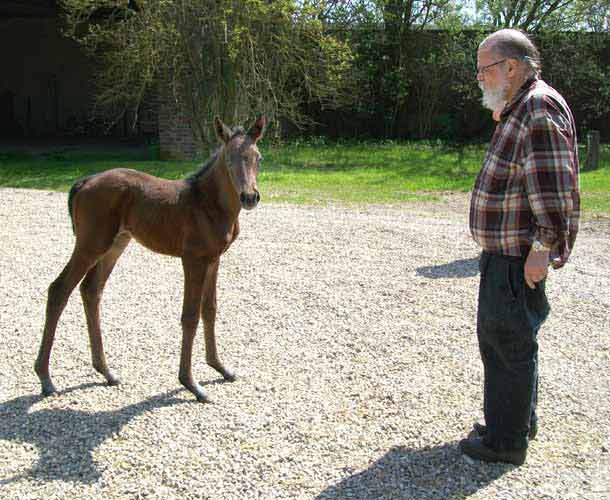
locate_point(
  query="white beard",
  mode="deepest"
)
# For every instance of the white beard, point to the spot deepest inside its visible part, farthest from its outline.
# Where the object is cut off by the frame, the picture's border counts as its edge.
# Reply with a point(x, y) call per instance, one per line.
point(494, 99)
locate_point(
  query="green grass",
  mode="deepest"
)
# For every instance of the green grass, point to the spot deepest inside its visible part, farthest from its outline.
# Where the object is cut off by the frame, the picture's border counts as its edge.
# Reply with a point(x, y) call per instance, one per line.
point(311, 172)
point(595, 188)
point(57, 171)
point(367, 172)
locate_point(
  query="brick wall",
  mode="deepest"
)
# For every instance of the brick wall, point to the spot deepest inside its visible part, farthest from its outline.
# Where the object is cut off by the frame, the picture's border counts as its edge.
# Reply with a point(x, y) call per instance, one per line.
point(176, 138)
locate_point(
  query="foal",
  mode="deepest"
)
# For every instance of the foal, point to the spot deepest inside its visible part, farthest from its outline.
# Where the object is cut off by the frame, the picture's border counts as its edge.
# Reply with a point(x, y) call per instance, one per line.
point(195, 219)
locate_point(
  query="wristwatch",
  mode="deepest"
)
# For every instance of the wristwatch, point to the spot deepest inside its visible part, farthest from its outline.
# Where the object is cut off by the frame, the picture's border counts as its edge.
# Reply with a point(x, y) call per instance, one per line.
point(538, 246)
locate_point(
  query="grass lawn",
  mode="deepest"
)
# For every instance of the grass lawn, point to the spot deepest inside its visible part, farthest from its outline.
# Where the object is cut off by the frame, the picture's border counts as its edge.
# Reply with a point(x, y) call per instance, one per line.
point(309, 173)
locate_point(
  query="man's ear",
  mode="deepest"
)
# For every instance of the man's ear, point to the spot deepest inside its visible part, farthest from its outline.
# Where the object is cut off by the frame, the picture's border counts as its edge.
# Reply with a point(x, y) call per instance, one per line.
point(513, 66)
point(222, 131)
point(257, 128)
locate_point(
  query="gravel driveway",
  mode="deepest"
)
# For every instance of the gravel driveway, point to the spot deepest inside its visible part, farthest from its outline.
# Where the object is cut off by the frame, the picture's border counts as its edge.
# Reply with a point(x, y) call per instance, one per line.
point(352, 334)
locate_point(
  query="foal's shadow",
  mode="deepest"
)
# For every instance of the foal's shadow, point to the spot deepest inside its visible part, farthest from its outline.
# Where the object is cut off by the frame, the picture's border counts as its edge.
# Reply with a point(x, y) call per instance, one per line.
point(432, 473)
point(463, 268)
point(64, 438)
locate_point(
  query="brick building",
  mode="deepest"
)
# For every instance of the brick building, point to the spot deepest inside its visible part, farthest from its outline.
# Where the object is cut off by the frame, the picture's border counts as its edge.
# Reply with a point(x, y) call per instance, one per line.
point(46, 87)
point(44, 82)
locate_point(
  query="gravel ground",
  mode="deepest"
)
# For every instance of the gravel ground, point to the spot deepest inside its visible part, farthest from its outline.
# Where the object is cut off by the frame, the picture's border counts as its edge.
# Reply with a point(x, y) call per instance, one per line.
point(352, 334)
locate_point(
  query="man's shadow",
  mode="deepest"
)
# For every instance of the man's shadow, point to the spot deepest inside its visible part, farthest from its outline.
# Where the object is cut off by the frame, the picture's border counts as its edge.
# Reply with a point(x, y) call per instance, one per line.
point(433, 473)
point(463, 268)
point(64, 438)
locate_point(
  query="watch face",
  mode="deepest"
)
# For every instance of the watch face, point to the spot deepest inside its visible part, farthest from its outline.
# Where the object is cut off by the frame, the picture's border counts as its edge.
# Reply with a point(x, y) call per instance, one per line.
point(538, 246)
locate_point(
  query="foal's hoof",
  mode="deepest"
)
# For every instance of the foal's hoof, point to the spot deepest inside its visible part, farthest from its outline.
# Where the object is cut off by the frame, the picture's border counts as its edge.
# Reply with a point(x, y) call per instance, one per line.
point(200, 394)
point(228, 375)
point(48, 388)
point(203, 398)
point(196, 390)
point(113, 380)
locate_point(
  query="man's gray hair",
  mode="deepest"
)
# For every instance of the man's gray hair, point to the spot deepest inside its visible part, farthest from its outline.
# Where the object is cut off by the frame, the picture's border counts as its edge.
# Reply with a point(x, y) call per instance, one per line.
point(514, 44)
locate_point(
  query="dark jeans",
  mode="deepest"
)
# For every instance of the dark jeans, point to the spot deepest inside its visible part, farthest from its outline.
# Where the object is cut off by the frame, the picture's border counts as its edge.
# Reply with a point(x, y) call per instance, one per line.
point(509, 316)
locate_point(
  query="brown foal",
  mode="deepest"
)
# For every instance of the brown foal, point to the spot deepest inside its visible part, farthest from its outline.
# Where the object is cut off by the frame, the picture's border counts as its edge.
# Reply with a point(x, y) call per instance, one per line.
point(195, 219)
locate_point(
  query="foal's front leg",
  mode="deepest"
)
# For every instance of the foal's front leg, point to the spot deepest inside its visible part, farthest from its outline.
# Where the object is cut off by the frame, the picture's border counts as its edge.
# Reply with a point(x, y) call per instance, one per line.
point(194, 274)
point(208, 314)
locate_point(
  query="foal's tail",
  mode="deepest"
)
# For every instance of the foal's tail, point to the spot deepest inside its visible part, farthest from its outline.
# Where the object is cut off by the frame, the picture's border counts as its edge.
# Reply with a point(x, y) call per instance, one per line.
point(73, 190)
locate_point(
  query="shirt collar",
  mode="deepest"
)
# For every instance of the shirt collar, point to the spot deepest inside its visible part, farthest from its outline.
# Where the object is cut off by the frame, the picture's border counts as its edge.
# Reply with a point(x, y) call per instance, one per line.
point(527, 85)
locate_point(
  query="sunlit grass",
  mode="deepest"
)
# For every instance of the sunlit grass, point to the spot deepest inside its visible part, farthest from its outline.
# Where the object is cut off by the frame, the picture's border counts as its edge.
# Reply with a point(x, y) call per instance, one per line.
point(368, 172)
point(311, 172)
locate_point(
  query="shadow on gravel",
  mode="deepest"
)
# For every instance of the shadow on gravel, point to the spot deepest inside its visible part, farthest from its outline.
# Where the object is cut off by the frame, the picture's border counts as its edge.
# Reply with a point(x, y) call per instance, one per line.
point(463, 268)
point(65, 439)
point(429, 473)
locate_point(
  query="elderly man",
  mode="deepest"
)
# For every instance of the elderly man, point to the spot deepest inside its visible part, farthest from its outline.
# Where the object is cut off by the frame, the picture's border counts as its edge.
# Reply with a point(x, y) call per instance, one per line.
point(524, 214)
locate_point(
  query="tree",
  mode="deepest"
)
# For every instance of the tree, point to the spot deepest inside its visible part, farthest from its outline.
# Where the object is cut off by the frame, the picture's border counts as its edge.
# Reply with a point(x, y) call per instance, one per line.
point(233, 58)
point(378, 31)
point(342, 14)
point(528, 15)
point(584, 81)
point(593, 15)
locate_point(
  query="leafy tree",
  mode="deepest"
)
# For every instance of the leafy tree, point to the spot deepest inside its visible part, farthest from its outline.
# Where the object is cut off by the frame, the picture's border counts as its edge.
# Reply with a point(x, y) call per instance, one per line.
point(380, 36)
point(539, 15)
point(576, 64)
point(593, 15)
point(234, 58)
point(343, 14)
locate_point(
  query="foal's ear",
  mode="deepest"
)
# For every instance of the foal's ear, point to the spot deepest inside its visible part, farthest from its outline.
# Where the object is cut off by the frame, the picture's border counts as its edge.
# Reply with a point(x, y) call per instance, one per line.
point(222, 131)
point(257, 128)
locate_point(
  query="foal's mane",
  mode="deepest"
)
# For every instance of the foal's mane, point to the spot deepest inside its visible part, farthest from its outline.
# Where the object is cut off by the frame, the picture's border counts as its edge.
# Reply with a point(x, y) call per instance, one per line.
point(210, 162)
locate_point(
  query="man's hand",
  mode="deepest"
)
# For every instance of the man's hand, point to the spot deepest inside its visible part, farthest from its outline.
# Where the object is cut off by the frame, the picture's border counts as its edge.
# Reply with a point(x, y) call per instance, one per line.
point(536, 266)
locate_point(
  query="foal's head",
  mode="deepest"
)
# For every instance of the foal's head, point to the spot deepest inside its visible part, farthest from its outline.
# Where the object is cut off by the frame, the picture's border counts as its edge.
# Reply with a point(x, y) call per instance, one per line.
point(242, 158)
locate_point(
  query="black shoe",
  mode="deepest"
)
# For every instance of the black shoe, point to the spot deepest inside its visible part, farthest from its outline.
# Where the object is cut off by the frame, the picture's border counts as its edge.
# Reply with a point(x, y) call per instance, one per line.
point(481, 430)
point(477, 449)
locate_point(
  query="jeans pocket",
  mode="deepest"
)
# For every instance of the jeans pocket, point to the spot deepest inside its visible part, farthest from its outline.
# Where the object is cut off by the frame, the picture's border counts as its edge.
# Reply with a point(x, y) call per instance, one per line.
point(537, 304)
point(483, 263)
point(515, 280)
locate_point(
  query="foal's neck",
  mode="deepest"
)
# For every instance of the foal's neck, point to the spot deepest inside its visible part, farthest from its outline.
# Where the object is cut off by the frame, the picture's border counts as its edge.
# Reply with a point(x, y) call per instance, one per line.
point(218, 188)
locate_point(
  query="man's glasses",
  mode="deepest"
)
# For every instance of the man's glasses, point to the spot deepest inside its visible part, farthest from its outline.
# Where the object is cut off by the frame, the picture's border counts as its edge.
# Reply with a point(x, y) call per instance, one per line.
point(483, 69)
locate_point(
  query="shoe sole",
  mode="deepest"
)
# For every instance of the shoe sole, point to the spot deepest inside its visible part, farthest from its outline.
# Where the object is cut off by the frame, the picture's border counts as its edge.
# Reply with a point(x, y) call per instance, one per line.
point(480, 430)
point(488, 455)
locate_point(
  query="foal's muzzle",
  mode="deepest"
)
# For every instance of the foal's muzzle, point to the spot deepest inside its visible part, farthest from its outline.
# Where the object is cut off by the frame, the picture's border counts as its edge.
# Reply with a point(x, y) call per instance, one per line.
point(249, 200)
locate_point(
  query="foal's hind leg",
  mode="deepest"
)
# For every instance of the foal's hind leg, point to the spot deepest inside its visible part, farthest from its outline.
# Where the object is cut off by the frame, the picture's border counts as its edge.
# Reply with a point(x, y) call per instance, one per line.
point(58, 295)
point(208, 314)
point(91, 290)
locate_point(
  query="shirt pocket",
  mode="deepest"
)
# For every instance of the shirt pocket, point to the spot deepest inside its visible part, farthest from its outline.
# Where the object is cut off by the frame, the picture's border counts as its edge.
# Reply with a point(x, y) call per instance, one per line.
point(501, 176)
point(503, 169)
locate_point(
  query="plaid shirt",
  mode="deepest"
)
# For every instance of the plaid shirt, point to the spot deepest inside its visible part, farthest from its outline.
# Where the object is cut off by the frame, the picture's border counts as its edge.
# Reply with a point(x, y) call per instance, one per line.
point(528, 185)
